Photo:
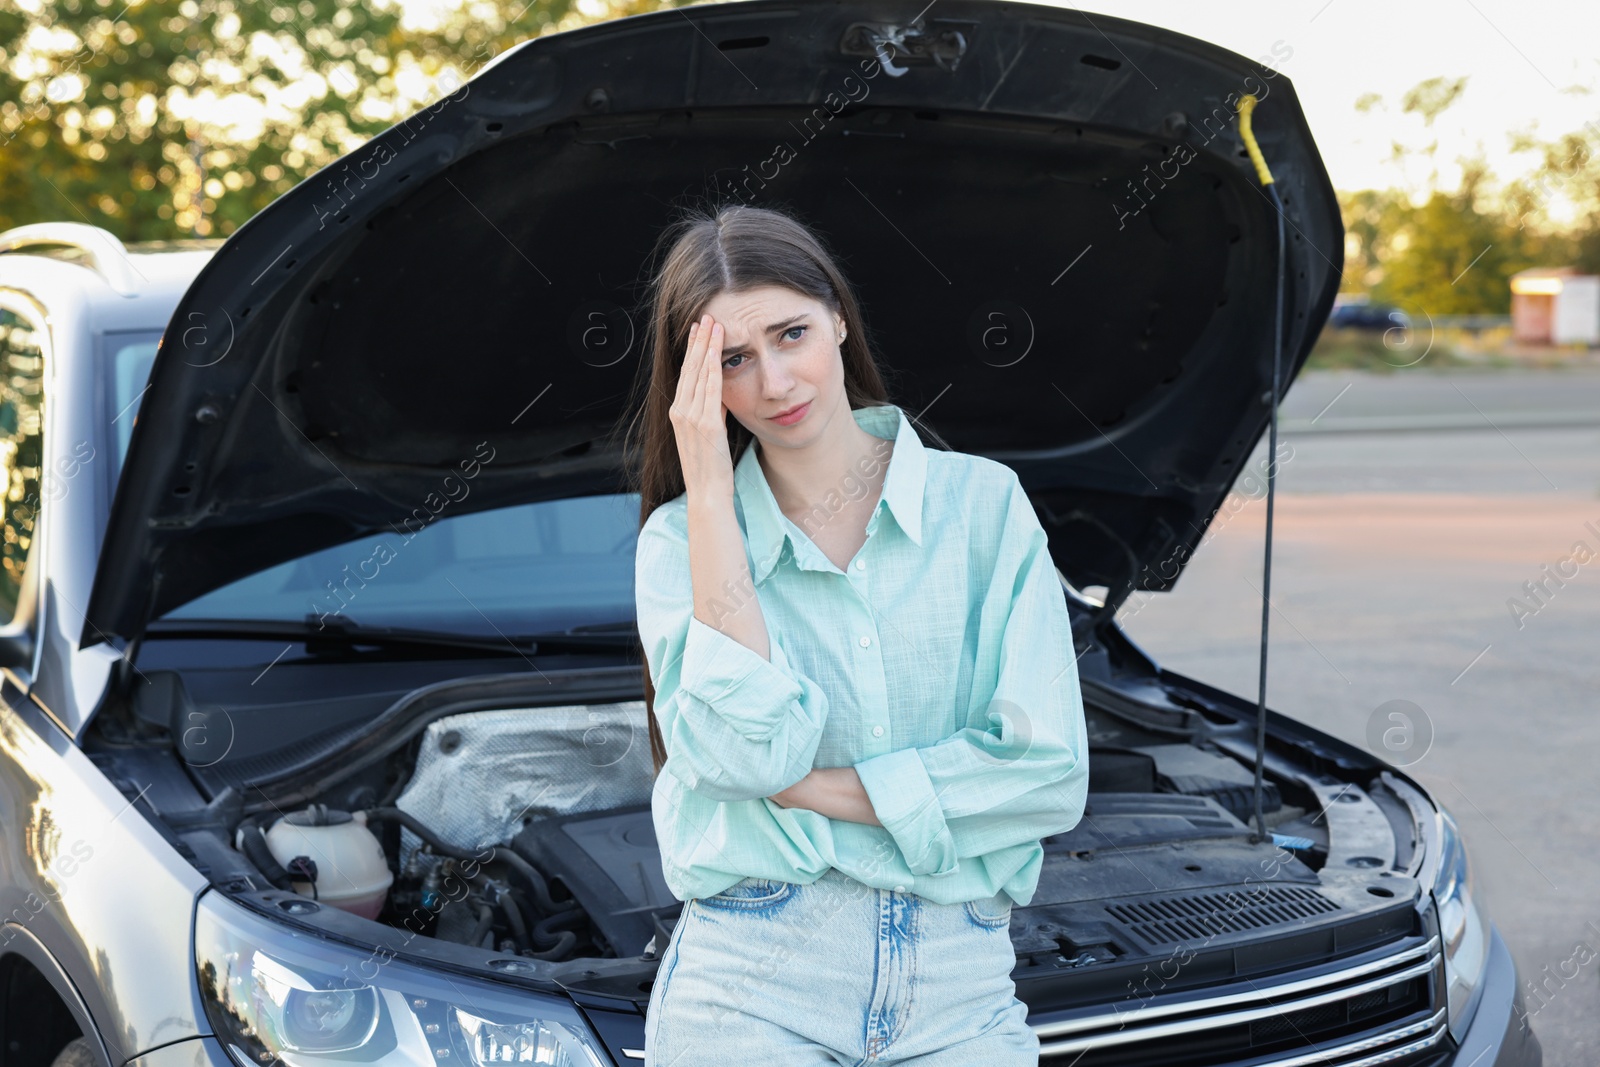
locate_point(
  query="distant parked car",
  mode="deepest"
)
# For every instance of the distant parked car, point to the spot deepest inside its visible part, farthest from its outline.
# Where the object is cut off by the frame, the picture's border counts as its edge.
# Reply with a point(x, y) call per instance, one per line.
point(1366, 316)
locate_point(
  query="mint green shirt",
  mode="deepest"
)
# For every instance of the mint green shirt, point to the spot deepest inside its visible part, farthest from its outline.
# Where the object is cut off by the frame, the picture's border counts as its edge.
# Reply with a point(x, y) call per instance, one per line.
point(939, 664)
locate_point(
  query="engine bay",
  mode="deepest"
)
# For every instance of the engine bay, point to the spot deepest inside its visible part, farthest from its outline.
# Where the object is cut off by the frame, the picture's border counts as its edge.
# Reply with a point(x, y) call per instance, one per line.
point(481, 813)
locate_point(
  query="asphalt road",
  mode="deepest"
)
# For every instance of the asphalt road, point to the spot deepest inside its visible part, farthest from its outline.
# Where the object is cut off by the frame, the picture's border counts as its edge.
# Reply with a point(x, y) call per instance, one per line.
point(1398, 559)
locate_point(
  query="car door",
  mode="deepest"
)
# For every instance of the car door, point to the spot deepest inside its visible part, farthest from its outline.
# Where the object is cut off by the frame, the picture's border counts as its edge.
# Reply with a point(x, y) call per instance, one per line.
point(94, 903)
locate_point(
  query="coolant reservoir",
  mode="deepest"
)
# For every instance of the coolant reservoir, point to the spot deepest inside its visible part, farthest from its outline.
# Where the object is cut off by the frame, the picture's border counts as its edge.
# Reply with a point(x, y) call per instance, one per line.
point(352, 872)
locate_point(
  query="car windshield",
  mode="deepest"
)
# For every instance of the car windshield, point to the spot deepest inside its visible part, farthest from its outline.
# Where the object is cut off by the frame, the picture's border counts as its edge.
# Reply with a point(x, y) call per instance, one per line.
point(530, 568)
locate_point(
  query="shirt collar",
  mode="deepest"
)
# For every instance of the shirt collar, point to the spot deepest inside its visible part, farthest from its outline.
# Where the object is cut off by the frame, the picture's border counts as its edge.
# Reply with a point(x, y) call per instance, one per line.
point(768, 529)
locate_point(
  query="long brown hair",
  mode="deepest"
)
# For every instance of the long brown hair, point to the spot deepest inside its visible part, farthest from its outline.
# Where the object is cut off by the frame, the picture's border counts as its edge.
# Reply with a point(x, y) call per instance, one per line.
point(707, 252)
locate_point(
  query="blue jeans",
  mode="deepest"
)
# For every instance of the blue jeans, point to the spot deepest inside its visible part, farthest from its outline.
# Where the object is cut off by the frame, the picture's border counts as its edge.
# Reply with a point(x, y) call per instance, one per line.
point(837, 972)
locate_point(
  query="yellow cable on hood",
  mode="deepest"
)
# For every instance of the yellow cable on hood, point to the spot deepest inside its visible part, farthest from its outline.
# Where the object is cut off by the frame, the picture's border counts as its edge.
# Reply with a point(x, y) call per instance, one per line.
point(1247, 104)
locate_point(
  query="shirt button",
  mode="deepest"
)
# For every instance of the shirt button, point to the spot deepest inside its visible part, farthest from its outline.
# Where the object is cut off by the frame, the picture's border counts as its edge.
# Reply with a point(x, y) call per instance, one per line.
point(861, 564)
point(899, 889)
point(865, 640)
point(877, 731)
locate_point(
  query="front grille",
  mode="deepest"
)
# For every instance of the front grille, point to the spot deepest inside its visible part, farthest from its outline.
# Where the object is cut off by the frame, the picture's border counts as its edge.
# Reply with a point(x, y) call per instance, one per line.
point(1201, 916)
point(1388, 1010)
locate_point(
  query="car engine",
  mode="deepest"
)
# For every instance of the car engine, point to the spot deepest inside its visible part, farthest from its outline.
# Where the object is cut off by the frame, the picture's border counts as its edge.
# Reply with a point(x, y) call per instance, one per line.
point(567, 790)
point(528, 831)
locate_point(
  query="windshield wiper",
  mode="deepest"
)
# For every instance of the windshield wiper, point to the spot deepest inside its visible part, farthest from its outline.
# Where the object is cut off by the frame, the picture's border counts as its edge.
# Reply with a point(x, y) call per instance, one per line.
point(322, 635)
point(605, 635)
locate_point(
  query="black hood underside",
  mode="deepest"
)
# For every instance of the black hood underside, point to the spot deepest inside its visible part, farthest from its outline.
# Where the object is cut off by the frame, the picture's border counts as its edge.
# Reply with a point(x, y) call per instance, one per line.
point(1063, 254)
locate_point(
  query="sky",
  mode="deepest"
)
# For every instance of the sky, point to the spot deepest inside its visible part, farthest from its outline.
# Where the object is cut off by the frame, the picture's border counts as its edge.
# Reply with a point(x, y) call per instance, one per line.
point(1531, 65)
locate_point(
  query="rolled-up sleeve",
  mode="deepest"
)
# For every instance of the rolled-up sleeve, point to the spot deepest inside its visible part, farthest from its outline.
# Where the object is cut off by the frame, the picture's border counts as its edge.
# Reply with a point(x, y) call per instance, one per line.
point(736, 726)
point(1018, 772)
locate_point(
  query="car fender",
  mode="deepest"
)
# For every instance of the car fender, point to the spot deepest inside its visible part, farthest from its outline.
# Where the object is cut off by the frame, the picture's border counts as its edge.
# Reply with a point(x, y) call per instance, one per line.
point(96, 885)
point(17, 940)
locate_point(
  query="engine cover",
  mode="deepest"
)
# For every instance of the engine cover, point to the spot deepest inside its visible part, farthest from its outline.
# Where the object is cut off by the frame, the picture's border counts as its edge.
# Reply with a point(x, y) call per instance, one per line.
point(610, 862)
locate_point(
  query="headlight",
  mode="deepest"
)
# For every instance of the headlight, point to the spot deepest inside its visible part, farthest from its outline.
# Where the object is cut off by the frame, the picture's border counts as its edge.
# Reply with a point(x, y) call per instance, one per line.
point(275, 996)
point(1462, 925)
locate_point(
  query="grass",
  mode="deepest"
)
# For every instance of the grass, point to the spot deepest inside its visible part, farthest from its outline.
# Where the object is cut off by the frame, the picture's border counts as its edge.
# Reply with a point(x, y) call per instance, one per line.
point(1397, 350)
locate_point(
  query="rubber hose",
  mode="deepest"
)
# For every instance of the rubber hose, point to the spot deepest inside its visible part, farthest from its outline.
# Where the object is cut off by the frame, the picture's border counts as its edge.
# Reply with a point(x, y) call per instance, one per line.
point(543, 935)
point(519, 923)
point(564, 946)
point(513, 914)
point(485, 921)
point(541, 889)
point(544, 929)
point(254, 843)
point(565, 940)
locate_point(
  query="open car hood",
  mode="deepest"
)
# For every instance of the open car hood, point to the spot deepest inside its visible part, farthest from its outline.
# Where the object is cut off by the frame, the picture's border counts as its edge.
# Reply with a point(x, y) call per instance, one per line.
point(1064, 254)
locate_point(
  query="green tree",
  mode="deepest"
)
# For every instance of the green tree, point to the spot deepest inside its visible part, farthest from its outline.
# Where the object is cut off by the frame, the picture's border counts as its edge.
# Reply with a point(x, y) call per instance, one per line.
point(1454, 253)
point(162, 120)
point(1430, 99)
point(1453, 257)
point(1568, 173)
point(1371, 219)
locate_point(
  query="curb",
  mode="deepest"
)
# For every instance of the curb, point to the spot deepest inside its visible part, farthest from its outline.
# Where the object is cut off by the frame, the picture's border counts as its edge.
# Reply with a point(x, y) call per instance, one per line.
point(1428, 423)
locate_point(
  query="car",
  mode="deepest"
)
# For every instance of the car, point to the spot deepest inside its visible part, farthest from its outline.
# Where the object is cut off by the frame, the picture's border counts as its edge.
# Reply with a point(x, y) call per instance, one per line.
point(323, 739)
point(1361, 314)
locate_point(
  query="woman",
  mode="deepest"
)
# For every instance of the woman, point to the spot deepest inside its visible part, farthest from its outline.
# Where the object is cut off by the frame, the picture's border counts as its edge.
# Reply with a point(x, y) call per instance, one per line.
point(861, 676)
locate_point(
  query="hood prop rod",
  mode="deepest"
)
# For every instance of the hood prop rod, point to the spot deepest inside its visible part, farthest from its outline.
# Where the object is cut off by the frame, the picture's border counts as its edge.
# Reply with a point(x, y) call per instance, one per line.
point(1247, 105)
